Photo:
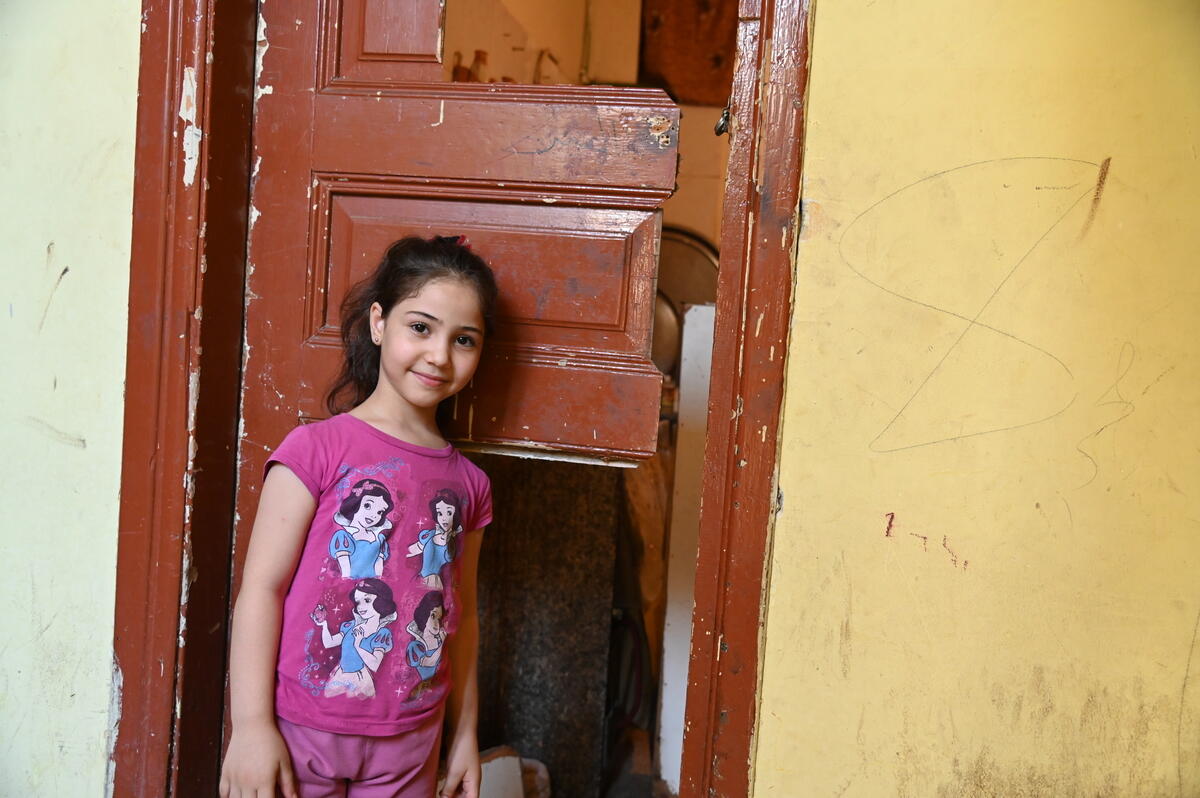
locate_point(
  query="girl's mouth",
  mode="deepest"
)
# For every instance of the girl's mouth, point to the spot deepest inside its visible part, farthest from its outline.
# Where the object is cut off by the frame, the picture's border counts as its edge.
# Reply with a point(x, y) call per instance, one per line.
point(429, 380)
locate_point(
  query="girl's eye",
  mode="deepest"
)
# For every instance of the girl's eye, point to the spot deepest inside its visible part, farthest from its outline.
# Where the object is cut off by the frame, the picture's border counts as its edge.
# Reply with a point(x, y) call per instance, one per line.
point(419, 327)
point(465, 340)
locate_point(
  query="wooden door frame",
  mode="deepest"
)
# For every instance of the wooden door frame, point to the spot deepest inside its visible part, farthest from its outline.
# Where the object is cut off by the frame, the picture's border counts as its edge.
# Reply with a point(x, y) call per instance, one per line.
point(190, 210)
point(739, 491)
point(187, 261)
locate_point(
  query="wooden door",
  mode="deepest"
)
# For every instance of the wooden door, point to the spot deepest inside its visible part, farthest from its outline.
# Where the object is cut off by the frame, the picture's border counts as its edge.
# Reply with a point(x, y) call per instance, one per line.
point(357, 143)
point(188, 225)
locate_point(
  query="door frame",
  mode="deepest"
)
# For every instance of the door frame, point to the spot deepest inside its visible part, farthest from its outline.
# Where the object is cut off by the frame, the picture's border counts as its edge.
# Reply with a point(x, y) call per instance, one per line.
point(179, 458)
point(740, 495)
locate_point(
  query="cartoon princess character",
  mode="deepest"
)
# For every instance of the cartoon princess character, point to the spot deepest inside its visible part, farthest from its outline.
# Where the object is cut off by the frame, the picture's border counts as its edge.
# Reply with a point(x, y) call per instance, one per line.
point(364, 639)
point(437, 545)
point(360, 547)
point(424, 651)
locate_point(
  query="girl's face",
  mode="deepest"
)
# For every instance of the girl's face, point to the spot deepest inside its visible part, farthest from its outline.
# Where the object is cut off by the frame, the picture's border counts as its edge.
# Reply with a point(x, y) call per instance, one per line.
point(364, 605)
point(430, 342)
point(370, 513)
point(445, 516)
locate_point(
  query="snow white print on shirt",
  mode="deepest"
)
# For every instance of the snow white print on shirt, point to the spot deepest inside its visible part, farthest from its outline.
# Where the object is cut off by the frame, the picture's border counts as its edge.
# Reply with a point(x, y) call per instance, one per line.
point(424, 651)
point(438, 546)
point(364, 639)
point(359, 545)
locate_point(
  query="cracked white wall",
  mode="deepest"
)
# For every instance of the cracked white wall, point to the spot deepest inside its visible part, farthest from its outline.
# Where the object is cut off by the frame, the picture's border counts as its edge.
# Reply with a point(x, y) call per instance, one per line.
point(68, 81)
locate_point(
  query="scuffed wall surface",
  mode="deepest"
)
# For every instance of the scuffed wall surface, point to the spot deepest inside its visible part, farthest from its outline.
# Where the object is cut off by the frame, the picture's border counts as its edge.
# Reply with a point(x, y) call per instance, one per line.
point(68, 79)
point(984, 576)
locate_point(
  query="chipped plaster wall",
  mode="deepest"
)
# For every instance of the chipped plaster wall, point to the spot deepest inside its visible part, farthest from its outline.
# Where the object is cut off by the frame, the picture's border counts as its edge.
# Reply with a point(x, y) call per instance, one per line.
point(984, 576)
point(68, 79)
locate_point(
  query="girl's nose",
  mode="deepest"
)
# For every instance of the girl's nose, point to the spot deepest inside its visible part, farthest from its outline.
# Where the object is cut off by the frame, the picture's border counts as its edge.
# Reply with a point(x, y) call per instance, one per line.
point(438, 353)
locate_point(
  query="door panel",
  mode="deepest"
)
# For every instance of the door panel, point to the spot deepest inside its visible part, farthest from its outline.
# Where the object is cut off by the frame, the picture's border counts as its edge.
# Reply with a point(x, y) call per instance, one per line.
point(578, 330)
point(382, 41)
point(575, 138)
point(558, 187)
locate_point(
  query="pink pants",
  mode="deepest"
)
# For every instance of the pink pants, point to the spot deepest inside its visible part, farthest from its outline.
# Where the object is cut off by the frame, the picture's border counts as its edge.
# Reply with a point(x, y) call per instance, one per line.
point(329, 765)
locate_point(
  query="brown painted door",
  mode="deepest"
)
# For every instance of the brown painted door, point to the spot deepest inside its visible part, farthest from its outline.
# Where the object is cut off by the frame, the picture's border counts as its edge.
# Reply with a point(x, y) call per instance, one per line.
point(357, 142)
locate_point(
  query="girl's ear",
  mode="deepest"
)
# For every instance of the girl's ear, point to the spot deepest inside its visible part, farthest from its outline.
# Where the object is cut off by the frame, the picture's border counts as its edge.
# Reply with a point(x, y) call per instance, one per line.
point(376, 322)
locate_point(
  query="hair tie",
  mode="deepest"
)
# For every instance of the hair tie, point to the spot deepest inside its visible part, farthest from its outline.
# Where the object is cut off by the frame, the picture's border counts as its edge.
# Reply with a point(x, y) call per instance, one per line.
point(459, 240)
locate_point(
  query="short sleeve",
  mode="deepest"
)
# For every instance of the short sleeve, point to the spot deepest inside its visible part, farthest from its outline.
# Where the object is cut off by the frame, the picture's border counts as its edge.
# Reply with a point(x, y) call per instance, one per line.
point(384, 551)
point(383, 640)
point(346, 627)
point(300, 452)
point(481, 500)
point(481, 503)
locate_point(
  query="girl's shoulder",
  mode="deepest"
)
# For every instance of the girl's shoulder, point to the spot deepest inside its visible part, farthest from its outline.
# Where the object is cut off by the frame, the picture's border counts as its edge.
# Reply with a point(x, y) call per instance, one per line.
point(309, 433)
point(337, 435)
point(475, 478)
point(479, 492)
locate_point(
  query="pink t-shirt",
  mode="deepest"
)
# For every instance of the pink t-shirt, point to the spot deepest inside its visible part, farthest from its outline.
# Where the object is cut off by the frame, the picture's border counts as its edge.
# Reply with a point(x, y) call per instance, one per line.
point(365, 621)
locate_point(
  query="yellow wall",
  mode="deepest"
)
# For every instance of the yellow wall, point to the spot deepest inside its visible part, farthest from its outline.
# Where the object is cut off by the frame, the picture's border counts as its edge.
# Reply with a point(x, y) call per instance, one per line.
point(68, 73)
point(1039, 638)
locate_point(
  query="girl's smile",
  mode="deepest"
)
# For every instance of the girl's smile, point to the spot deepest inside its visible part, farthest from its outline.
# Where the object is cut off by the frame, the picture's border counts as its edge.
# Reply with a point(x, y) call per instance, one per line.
point(429, 380)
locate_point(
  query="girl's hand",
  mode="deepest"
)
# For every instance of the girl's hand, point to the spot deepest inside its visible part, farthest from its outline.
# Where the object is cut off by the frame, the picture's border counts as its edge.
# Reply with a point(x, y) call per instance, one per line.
point(256, 761)
point(463, 772)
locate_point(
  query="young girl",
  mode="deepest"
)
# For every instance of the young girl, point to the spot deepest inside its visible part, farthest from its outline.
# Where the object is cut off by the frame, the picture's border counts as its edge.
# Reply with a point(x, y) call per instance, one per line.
point(317, 712)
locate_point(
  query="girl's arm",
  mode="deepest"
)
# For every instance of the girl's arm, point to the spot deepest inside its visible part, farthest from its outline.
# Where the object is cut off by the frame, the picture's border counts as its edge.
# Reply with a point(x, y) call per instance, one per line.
point(462, 759)
point(257, 758)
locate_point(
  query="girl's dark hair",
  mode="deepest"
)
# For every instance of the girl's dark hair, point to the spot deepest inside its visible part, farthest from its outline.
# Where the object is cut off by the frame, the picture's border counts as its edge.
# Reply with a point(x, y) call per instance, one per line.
point(385, 604)
point(406, 267)
point(429, 602)
point(362, 489)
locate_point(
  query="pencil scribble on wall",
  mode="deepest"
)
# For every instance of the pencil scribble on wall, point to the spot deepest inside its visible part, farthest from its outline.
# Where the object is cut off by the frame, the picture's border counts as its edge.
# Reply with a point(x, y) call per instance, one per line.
point(980, 226)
